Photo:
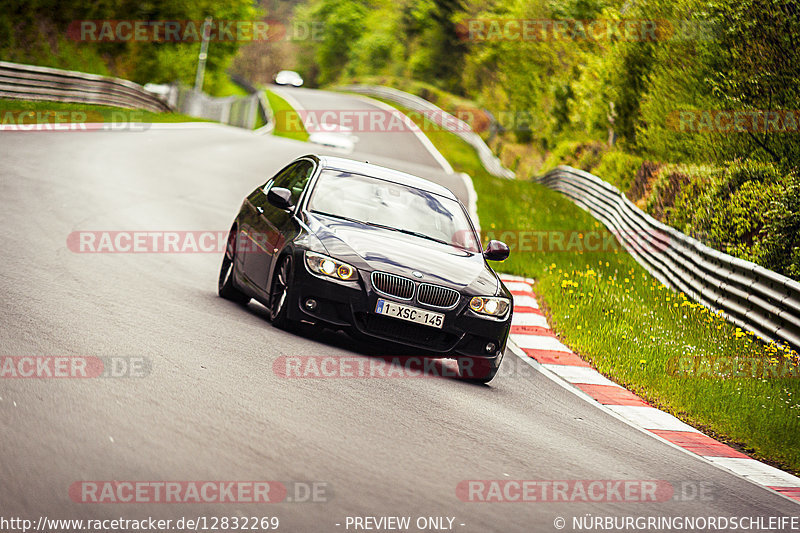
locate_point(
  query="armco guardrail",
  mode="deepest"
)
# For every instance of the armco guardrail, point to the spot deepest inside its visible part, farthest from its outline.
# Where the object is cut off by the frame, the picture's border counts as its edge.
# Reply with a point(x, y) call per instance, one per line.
point(240, 111)
point(750, 296)
point(31, 82)
point(440, 117)
point(234, 110)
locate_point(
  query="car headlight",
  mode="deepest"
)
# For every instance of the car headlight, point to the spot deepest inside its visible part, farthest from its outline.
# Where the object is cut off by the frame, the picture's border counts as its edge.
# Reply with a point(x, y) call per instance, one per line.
point(330, 267)
point(490, 305)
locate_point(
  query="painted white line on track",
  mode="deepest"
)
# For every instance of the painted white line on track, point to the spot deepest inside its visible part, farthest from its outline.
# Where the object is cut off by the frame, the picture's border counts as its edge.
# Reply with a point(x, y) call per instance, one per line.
point(127, 127)
point(580, 374)
point(529, 319)
point(443, 162)
point(651, 418)
point(512, 277)
point(756, 471)
point(518, 286)
point(525, 301)
point(472, 200)
point(539, 342)
point(719, 462)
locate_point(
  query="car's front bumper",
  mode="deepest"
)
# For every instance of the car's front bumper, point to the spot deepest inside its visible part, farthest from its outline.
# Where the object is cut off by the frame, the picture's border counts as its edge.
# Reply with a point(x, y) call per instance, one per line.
point(353, 306)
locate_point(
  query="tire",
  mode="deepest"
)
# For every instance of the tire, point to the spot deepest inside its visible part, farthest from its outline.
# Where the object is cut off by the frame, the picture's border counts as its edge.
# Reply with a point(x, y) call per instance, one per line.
point(477, 369)
point(225, 286)
point(279, 298)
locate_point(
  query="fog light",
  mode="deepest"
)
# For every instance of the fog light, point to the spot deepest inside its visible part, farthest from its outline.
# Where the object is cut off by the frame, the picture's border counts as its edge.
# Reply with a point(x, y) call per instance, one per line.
point(311, 304)
point(490, 347)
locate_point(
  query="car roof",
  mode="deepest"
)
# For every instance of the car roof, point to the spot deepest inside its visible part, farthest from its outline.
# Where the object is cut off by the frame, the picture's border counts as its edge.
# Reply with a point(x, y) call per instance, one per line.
point(388, 174)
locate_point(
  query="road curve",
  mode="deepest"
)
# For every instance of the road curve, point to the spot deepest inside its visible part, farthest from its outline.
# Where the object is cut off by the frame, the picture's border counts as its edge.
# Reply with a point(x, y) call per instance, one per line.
point(212, 408)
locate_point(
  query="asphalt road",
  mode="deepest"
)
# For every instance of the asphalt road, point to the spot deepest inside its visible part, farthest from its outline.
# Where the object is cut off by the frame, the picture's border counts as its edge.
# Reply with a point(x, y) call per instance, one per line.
point(377, 132)
point(212, 408)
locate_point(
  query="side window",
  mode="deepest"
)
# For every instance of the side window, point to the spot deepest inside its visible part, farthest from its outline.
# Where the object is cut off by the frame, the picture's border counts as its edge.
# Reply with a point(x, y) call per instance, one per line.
point(300, 180)
point(295, 178)
point(284, 177)
point(259, 197)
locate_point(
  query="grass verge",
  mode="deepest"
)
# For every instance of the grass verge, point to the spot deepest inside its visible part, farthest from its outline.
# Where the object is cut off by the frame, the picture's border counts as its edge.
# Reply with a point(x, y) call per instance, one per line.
point(672, 352)
point(287, 121)
point(94, 113)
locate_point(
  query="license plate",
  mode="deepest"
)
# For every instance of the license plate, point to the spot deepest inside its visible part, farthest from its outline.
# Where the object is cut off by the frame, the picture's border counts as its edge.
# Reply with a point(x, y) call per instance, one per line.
point(410, 314)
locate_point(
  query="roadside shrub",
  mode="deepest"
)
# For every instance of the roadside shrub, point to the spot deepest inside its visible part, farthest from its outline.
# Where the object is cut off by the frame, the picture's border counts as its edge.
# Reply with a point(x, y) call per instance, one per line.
point(780, 246)
point(584, 155)
point(562, 154)
point(642, 181)
point(666, 187)
point(618, 168)
point(588, 155)
point(748, 209)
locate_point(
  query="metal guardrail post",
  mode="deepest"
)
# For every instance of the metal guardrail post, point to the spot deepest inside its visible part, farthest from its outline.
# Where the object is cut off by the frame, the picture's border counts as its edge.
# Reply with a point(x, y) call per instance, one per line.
point(30, 82)
point(750, 296)
point(441, 118)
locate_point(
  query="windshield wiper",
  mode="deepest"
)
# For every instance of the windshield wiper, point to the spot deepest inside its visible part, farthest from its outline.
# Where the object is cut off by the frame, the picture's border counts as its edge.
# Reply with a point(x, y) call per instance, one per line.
point(408, 232)
point(323, 213)
point(383, 226)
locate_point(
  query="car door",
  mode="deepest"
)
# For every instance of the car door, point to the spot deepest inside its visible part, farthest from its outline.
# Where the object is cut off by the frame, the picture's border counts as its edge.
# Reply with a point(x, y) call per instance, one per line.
point(273, 227)
point(255, 245)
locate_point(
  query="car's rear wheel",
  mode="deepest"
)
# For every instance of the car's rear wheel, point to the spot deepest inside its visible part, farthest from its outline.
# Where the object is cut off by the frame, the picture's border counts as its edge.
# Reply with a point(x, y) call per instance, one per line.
point(225, 286)
point(279, 295)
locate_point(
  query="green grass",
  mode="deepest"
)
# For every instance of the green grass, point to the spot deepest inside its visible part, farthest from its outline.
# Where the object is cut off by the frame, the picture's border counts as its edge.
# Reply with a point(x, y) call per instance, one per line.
point(94, 113)
point(229, 88)
point(629, 326)
point(287, 121)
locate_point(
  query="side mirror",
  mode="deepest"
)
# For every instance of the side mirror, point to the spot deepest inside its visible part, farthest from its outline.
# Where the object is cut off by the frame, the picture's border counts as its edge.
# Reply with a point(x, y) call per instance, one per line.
point(280, 198)
point(496, 251)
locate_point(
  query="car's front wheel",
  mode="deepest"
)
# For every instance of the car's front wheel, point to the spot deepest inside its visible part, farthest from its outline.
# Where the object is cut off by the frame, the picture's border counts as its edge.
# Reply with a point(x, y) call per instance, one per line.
point(477, 369)
point(225, 286)
point(279, 295)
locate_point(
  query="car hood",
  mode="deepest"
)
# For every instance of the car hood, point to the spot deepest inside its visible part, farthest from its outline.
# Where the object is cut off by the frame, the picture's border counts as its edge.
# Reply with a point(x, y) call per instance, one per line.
point(372, 248)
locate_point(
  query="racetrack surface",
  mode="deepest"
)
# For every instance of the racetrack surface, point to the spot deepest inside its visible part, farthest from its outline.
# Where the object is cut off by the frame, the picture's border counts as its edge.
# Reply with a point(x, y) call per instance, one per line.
point(365, 117)
point(212, 408)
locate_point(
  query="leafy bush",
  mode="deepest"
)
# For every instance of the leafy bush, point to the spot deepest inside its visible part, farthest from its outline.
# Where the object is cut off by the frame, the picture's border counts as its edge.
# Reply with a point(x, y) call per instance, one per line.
point(747, 209)
point(781, 236)
point(35, 33)
point(618, 168)
point(584, 155)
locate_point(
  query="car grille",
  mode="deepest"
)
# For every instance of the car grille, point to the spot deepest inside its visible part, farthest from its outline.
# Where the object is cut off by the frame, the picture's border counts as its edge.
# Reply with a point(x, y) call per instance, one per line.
point(392, 285)
point(437, 296)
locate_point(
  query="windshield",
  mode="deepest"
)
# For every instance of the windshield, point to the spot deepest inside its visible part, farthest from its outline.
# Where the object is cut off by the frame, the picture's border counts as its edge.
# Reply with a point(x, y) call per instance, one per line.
point(394, 206)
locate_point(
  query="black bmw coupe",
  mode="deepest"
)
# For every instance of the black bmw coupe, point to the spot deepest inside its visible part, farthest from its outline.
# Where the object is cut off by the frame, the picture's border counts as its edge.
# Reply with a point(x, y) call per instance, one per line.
point(373, 251)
